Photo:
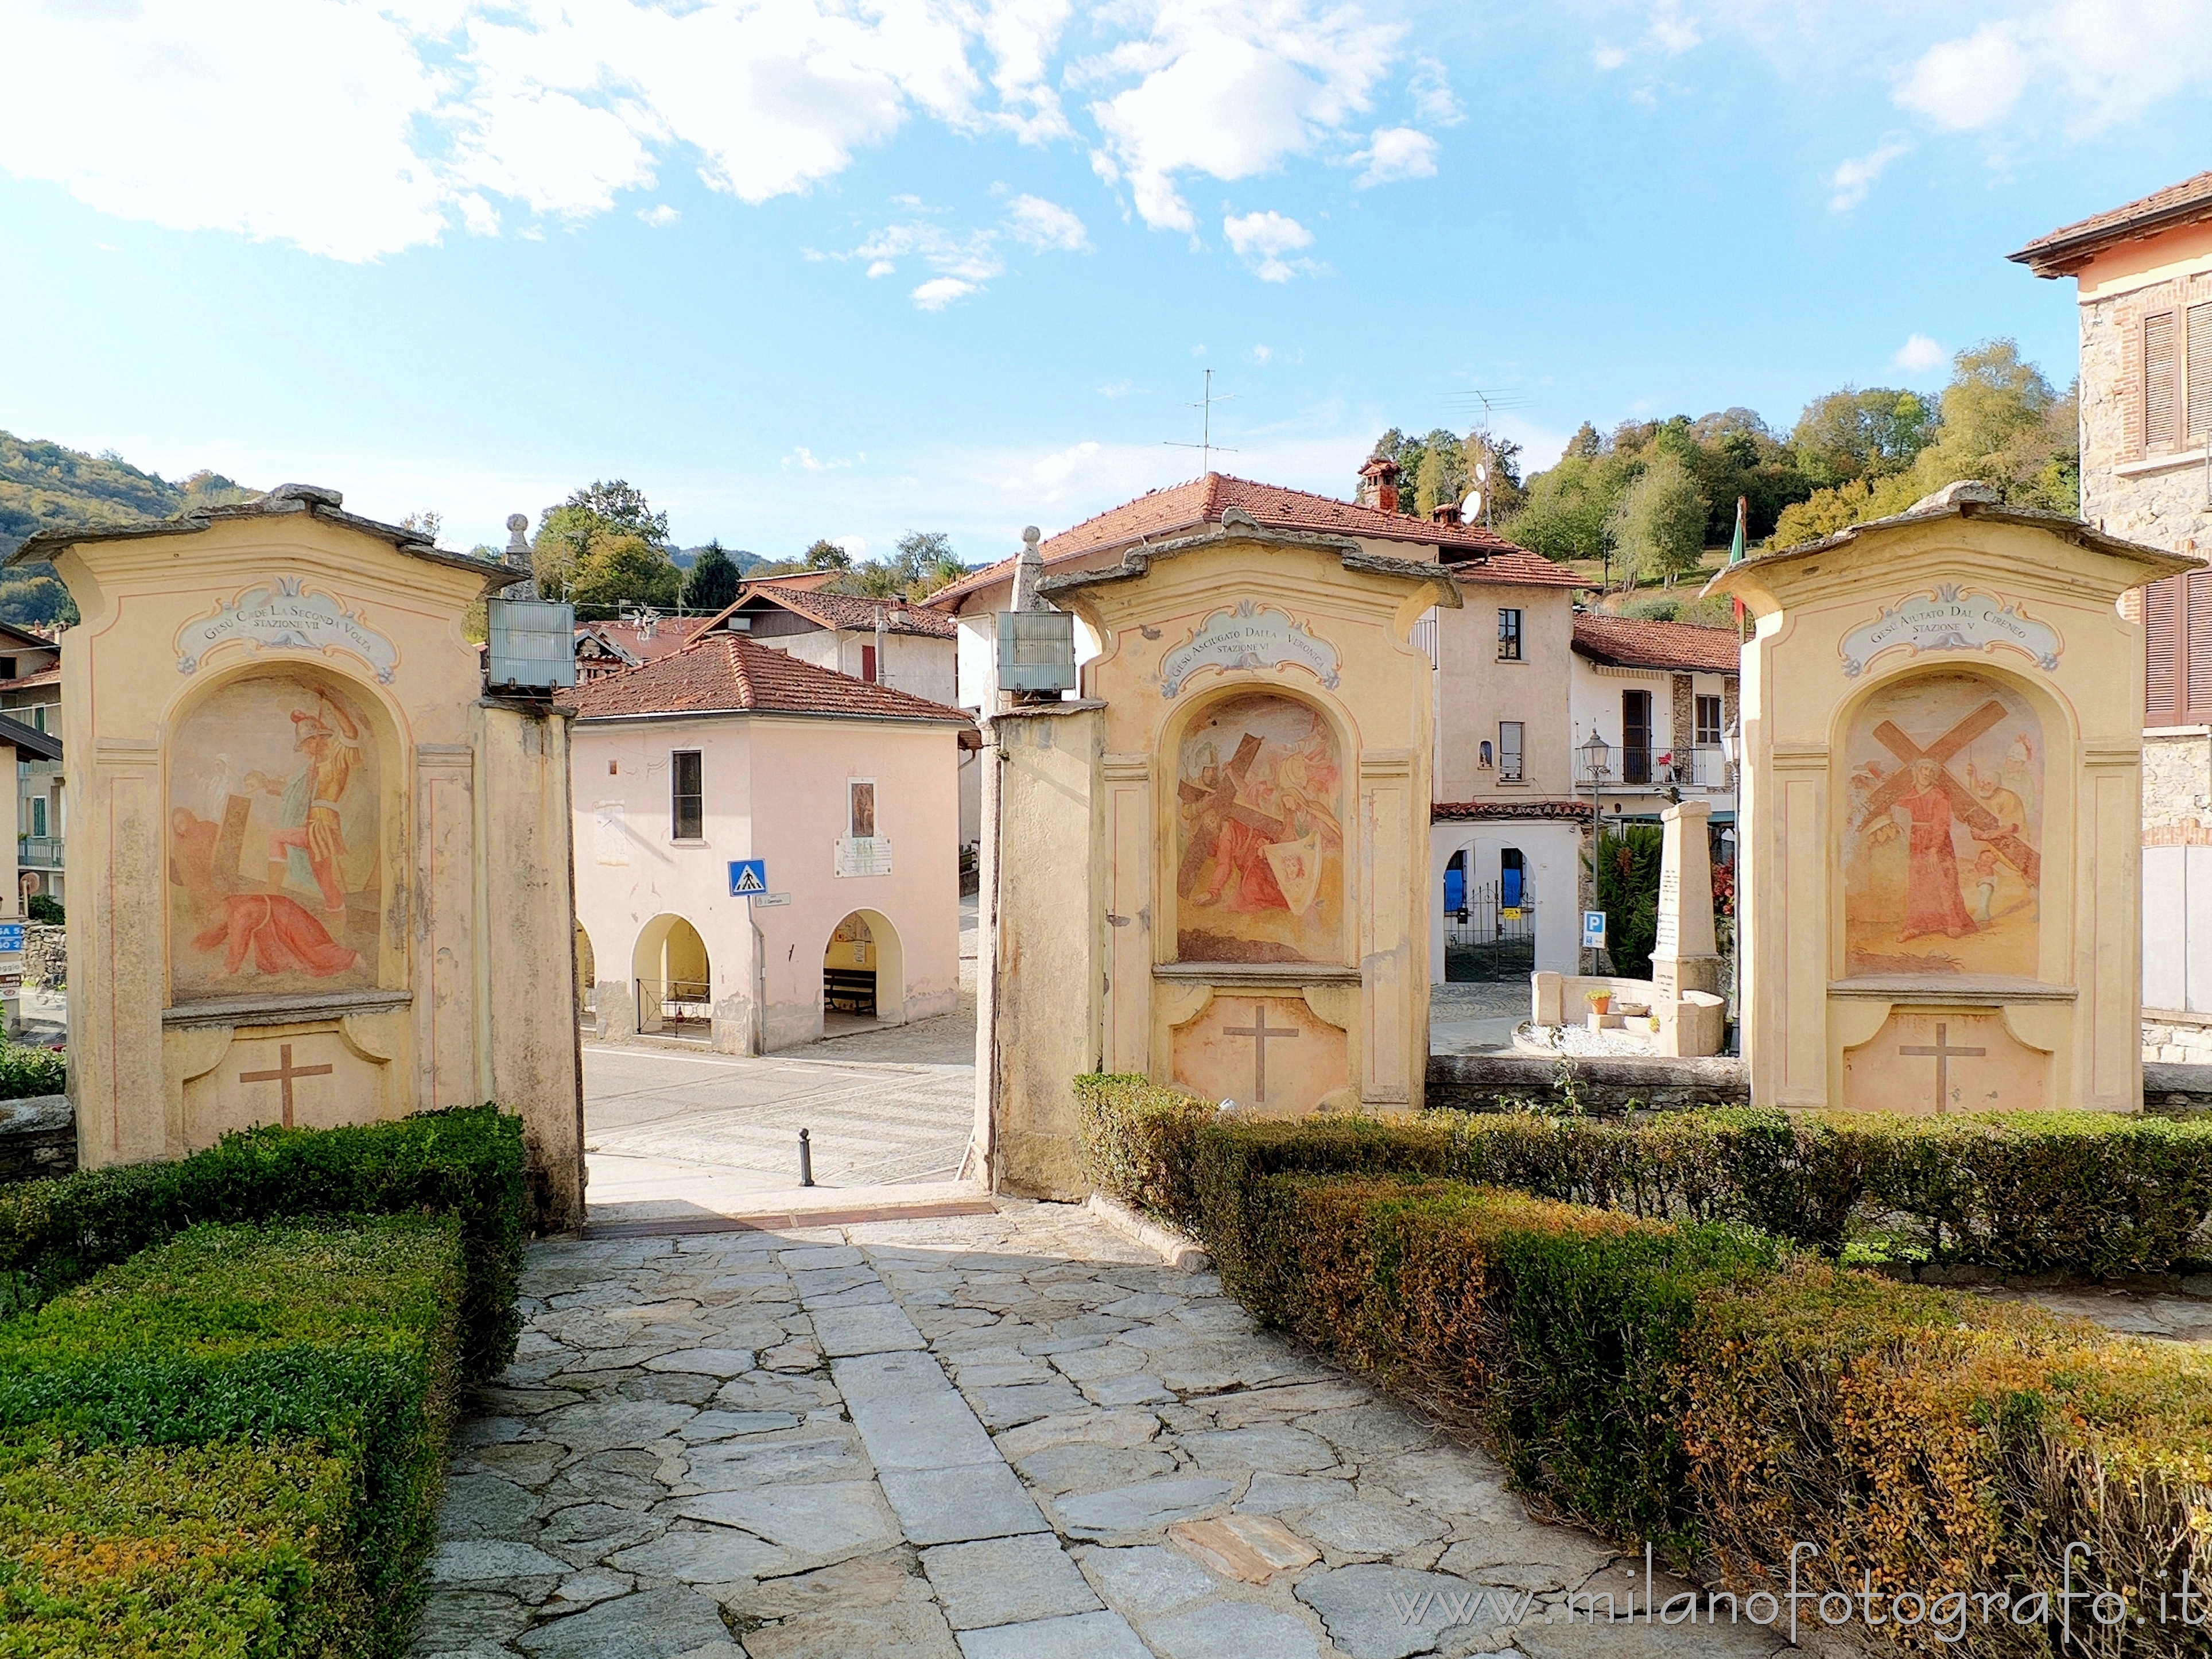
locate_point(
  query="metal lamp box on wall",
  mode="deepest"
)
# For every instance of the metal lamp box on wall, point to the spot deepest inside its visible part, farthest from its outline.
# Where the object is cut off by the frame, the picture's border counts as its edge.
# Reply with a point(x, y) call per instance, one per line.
point(1037, 651)
point(533, 644)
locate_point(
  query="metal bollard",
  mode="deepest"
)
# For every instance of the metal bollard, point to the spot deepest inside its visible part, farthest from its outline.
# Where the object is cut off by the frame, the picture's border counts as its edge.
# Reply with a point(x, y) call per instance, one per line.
point(805, 1159)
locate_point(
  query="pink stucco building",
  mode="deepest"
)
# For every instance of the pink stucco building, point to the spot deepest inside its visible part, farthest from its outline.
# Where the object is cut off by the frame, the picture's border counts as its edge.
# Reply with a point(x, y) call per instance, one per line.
point(729, 764)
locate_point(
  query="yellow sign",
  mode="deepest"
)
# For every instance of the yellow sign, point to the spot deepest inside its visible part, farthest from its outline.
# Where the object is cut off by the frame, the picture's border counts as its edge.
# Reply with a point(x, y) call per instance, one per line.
point(1509, 913)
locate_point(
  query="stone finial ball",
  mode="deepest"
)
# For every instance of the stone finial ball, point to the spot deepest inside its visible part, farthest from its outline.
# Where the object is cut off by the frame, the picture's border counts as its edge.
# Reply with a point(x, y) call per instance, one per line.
point(1029, 532)
point(517, 522)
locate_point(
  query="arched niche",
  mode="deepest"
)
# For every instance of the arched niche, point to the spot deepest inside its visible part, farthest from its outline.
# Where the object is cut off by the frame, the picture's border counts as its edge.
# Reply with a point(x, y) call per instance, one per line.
point(1953, 805)
point(863, 955)
point(1258, 864)
point(286, 838)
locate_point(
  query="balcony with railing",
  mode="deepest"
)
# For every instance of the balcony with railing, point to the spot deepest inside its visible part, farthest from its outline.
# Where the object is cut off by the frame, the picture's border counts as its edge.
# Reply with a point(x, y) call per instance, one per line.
point(38, 852)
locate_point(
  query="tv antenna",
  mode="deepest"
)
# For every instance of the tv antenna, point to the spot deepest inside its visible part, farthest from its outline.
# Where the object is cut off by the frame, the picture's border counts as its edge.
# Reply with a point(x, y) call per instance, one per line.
point(1204, 445)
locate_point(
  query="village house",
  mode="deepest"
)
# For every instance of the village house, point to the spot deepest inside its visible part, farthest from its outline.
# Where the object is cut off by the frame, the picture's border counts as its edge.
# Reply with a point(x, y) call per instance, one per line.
point(2143, 280)
point(730, 768)
point(1662, 697)
point(31, 695)
point(1501, 780)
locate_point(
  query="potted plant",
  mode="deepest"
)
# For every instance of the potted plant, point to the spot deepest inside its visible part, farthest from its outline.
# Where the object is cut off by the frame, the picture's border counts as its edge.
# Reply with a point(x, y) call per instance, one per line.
point(1600, 998)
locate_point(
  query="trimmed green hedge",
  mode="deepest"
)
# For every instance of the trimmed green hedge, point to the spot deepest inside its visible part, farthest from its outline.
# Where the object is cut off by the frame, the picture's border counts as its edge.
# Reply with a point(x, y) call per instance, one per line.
point(342, 1337)
point(2027, 1191)
point(26, 1071)
point(1697, 1386)
point(127, 1552)
point(467, 1163)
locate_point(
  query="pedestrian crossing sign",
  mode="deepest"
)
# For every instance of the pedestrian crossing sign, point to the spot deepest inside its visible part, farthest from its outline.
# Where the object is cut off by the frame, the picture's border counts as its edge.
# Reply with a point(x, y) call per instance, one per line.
point(748, 877)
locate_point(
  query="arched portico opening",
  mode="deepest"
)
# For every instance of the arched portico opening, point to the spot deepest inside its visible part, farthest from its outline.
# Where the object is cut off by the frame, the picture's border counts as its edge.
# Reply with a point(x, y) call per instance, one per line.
point(1490, 913)
point(671, 976)
point(863, 971)
point(587, 974)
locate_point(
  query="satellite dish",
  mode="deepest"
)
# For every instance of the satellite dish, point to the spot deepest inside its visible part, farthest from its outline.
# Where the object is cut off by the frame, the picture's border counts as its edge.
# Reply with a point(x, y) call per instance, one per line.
point(1482, 472)
point(1471, 508)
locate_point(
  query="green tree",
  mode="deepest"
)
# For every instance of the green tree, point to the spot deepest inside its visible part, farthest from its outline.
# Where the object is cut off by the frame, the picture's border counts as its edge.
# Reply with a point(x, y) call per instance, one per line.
point(623, 570)
point(1853, 434)
point(2000, 422)
point(572, 536)
point(1659, 522)
point(1627, 877)
point(928, 562)
point(712, 582)
point(825, 554)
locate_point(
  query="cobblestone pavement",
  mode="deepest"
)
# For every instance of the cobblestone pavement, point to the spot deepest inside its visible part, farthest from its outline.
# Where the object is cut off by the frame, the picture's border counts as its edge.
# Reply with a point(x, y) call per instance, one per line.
point(1006, 1437)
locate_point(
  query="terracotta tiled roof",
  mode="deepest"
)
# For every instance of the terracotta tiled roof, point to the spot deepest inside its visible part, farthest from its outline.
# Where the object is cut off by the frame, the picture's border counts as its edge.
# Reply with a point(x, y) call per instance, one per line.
point(44, 677)
point(670, 634)
point(2070, 246)
point(1185, 507)
point(1634, 642)
point(1508, 809)
point(855, 612)
point(727, 673)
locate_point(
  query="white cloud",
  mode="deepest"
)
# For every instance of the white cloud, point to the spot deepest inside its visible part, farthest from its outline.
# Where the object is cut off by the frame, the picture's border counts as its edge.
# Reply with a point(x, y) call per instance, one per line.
point(940, 292)
point(1433, 99)
point(1605, 59)
point(1849, 184)
point(2092, 62)
point(659, 217)
point(1263, 354)
point(883, 268)
point(1231, 88)
point(808, 461)
point(1919, 354)
point(1968, 83)
point(1116, 388)
point(1045, 226)
point(972, 258)
point(1396, 153)
point(1262, 238)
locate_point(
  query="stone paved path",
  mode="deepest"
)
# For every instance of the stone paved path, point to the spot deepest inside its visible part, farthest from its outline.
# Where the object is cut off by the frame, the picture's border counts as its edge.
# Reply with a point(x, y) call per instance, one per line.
point(1006, 1437)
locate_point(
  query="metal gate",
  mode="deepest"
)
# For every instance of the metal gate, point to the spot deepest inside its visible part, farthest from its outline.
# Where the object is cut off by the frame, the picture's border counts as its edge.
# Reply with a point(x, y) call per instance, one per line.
point(1489, 940)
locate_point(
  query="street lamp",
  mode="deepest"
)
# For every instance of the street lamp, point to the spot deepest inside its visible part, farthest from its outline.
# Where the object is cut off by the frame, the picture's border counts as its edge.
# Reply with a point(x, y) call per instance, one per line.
point(1596, 753)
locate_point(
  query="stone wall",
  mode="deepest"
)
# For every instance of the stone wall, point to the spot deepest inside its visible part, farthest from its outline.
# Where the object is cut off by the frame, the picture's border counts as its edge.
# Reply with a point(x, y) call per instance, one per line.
point(37, 1137)
point(45, 954)
point(2176, 789)
point(2178, 1038)
point(2163, 506)
point(1479, 1083)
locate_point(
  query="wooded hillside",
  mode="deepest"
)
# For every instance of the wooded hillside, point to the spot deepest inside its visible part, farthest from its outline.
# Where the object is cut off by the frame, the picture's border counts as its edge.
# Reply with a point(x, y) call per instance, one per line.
point(43, 486)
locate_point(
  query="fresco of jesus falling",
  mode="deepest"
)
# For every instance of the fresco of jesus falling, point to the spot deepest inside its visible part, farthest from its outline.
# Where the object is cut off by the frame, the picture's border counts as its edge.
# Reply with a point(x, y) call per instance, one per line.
point(1941, 868)
point(275, 863)
point(1260, 835)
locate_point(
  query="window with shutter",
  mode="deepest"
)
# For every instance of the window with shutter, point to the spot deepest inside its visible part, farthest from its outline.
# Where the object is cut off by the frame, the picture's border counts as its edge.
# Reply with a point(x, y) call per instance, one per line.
point(2163, 602)
point(2200, 371)
point(2196, 637)
point(2157, 379)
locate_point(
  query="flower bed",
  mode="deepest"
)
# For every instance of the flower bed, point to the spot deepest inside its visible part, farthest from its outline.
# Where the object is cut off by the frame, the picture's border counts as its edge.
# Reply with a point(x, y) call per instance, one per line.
point(2080, 1192)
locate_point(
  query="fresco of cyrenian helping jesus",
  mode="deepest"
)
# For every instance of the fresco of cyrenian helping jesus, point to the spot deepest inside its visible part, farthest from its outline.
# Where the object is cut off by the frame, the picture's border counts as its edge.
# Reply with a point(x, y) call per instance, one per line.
point(1942, 866)
point(274, 861)
point(1260, 835)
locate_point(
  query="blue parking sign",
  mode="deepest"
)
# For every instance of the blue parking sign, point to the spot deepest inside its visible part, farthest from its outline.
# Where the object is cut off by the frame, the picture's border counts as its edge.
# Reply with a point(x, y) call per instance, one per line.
point(748, 877)
point(11, 935)
point(1593, 930)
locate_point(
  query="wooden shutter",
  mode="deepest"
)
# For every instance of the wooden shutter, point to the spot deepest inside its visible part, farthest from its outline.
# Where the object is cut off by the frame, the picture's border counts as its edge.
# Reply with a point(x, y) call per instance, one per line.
point(2164, 601)
point(2200, 371)
point(2157, 379)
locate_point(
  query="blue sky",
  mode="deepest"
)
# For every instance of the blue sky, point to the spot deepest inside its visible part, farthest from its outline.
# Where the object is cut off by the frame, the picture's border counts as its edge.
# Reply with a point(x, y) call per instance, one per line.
point(811, 268)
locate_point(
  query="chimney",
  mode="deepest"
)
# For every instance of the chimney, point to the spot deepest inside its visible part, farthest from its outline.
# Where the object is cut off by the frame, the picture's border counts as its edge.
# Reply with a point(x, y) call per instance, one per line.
point(882, 657)
point(1445, 513)
point(1378, 484)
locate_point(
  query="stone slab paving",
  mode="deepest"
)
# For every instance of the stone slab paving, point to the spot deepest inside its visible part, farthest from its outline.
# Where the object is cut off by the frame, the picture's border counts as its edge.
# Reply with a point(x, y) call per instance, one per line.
point(1005, 1436)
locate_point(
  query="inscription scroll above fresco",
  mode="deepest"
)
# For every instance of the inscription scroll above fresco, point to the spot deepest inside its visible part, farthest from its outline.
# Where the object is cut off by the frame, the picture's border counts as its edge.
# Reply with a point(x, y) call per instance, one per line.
point(1950, 617)
point(1253, 636)
point(285, 613)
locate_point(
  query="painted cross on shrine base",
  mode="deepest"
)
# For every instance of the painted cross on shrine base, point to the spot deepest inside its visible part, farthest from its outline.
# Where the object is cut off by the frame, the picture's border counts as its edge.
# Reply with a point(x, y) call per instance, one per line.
point(1259, 1030)
point(282, 1077)
point(1942, 1051)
